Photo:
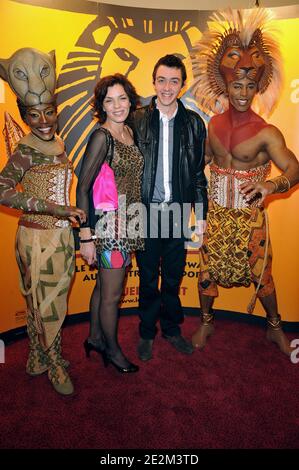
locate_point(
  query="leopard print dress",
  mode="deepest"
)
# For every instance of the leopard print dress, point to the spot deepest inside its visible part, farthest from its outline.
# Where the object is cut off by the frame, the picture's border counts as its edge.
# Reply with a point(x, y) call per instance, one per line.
point(123, 229)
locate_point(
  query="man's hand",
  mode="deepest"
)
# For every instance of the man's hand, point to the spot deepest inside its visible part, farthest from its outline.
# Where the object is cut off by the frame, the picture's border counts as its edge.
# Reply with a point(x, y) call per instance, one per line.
point(255, 193)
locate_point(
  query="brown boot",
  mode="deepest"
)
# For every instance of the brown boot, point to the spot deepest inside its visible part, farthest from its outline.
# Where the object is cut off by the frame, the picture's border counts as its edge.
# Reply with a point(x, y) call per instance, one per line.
point(57, 374)
point(277, 336)
point(37, 362)
point(205, 330)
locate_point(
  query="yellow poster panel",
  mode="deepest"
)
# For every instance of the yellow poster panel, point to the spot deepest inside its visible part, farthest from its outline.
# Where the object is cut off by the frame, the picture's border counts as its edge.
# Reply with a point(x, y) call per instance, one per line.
point(92, 40)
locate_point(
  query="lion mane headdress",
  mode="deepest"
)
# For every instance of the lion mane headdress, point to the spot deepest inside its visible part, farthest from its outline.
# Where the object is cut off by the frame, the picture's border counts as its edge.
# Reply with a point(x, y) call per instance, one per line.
point(239, 43)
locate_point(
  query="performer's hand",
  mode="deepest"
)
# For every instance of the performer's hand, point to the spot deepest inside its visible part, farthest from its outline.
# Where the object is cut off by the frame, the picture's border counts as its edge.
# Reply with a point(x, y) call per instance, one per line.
point(88, 252)
point(74, 214)
point(255, 193)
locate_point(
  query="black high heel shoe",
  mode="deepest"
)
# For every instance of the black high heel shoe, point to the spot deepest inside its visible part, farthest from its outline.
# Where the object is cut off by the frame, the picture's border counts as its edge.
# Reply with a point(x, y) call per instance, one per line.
point(91, 347)
point(123, 370)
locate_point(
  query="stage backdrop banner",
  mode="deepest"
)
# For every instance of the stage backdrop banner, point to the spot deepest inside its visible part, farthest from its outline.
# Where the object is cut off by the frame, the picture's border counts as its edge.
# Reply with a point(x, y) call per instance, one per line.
point(92, 40)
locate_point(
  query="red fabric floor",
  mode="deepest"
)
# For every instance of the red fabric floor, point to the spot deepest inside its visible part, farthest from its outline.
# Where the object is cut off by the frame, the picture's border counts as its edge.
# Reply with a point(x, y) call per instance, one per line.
point(240, 392)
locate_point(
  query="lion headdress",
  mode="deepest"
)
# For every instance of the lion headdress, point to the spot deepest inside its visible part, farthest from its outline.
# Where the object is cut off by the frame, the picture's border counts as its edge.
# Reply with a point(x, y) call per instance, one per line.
point(239, 43)
point(31, 75)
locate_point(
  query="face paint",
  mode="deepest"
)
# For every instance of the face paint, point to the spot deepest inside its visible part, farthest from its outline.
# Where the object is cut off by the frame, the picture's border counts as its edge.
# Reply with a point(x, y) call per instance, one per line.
point(42, 120)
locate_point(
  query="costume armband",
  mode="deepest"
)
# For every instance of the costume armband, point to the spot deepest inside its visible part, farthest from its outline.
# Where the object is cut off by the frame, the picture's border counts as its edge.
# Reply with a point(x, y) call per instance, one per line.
point(281, 184)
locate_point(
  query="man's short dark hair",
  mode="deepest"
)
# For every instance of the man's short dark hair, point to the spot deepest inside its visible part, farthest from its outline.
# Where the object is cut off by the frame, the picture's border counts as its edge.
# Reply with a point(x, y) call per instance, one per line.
point(172, 61)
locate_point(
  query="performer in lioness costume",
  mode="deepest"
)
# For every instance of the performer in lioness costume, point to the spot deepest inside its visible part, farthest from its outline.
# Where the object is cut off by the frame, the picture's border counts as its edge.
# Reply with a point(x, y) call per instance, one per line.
point(236, 61)
point(44, 243)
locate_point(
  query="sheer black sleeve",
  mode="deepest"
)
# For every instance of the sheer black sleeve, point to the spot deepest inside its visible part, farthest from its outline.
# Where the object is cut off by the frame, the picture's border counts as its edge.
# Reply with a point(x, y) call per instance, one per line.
point(93, 158)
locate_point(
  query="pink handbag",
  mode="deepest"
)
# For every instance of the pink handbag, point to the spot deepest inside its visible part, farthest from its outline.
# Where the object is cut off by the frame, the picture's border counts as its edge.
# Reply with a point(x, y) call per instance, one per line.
point(104, 190)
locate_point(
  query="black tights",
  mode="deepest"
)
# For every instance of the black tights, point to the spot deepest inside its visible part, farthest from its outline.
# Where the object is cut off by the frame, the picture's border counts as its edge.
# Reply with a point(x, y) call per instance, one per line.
point(104, 313)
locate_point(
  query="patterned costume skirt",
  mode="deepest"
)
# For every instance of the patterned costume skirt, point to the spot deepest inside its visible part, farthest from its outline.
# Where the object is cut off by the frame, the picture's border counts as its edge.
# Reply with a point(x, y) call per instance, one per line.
point(235, 250)
point(46, 262)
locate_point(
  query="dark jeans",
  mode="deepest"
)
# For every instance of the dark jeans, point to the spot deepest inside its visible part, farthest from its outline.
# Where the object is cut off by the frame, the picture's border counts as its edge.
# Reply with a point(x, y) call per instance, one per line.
point(164, 304)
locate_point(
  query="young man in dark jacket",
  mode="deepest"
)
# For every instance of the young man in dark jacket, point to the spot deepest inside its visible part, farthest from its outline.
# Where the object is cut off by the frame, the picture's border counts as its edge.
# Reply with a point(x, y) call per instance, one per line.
point(171, 139)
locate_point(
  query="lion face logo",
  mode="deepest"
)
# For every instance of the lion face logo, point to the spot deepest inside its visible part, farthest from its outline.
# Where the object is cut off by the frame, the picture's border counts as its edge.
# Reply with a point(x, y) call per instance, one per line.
point(119, 40)
point(31, 75)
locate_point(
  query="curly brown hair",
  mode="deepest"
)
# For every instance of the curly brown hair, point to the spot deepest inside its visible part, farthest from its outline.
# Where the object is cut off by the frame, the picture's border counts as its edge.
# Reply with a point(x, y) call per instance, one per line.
point(101, 89)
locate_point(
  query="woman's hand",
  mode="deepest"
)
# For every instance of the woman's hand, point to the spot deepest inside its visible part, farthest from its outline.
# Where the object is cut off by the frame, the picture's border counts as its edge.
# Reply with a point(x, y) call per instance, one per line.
point(88, 252)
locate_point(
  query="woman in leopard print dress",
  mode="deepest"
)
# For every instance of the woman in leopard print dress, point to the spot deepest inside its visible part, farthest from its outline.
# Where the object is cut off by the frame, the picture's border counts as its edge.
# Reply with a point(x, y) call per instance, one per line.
point(118, 233)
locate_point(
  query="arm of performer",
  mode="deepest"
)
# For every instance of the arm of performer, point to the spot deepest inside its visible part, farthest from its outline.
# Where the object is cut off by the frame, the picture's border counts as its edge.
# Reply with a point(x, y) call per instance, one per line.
point(93, 159)
point(284, 159)
point(10, 196)
point(208, 153)
point(201, 181)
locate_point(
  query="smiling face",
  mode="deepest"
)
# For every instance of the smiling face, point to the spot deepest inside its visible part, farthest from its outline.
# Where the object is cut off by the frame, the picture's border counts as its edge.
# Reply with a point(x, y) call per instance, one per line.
point(116, 104)
point(241, 93)
point(42, 120)
point(168, 83)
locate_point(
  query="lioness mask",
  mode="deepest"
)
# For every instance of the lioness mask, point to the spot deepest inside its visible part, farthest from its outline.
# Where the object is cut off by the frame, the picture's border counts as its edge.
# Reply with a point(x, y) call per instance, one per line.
point(31, 75)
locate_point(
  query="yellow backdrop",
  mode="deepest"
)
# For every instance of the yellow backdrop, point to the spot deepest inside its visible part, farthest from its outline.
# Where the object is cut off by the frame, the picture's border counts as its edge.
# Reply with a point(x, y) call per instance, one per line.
point(94, 41)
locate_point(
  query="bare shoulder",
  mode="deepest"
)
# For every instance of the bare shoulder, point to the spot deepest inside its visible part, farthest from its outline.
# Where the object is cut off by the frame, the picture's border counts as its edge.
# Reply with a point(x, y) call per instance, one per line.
point(216, 118)
point(211, 124)
point(272, 134)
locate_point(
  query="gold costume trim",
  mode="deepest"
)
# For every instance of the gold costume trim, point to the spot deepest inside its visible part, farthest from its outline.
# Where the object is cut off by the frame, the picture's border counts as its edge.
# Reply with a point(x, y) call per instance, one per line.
point(281, 183)
point(225, 184)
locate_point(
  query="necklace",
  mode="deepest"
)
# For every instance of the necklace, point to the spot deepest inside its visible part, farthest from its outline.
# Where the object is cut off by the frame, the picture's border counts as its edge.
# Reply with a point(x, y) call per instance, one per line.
point(123, 136)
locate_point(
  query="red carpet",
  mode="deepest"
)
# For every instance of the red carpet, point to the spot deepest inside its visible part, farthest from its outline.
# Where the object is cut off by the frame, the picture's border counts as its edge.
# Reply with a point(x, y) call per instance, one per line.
point(240, 392)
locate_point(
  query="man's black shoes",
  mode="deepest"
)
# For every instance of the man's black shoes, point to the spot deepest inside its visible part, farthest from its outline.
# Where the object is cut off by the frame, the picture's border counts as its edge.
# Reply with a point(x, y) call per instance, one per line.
point(145, 348)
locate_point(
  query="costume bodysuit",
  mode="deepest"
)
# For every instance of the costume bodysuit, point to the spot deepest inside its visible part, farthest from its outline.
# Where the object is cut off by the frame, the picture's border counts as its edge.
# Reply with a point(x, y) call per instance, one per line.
point(44, 243)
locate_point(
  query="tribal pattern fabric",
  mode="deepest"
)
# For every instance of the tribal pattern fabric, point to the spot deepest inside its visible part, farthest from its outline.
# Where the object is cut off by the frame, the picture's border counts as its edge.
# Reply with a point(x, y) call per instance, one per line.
point(37, 362)
point(233, 250)
point(46, 263)
point(225, 184)
point(46, 181)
